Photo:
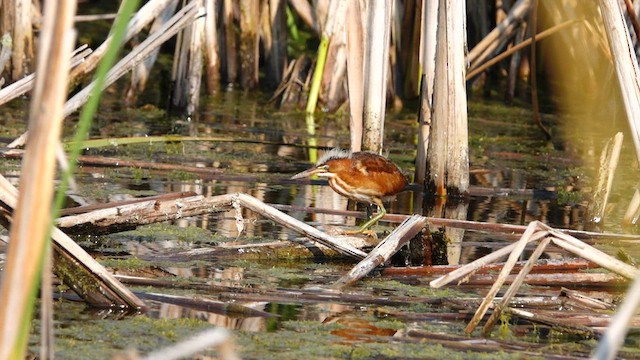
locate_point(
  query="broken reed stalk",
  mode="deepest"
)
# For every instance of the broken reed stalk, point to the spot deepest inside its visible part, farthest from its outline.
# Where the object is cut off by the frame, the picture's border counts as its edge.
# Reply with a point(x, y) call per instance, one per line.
point(535, 231)
point(143, 17)
point(561, 326)
point(31, 224)
point(632, 214)
point(626, 64)
point(219, 338)
point(478, 69)
point(478, 263)
point(25, 84)
point(608, 164)
point(616, 332)
point(126, 216)
point(463, 224)
point(291, 223)
point(515, 285)
point(182, 18)
point(146, 212)
point(592, 254)
point(182, 62)
point(140, 74)
point(506, 269)
point(449, 133)
point(500, 34)
point(586, 301)
point(399, 237)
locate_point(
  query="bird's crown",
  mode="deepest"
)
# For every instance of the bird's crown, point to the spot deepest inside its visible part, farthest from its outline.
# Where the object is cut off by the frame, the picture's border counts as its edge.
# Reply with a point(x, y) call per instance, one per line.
point(334, 154)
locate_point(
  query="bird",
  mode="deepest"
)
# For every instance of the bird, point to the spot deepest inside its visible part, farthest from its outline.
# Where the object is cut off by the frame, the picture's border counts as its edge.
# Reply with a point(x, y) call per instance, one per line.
point(362, 176)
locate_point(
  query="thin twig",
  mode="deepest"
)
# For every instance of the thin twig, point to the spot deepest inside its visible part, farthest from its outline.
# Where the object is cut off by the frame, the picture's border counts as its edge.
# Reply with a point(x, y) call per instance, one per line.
point(478, 263)
point(506, 269)
point(515, 285)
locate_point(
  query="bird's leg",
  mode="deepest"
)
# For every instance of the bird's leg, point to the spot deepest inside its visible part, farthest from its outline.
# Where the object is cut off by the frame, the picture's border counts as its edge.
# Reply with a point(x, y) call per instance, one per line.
point(365, 228)
point(381, 213)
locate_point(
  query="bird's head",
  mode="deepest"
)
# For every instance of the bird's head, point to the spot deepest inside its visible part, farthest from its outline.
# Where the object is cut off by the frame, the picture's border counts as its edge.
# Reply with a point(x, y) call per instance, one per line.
point(323, 166)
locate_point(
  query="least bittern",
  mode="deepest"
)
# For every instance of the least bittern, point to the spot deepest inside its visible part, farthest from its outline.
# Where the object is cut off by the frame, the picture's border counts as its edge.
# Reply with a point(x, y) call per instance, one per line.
point(361, 176)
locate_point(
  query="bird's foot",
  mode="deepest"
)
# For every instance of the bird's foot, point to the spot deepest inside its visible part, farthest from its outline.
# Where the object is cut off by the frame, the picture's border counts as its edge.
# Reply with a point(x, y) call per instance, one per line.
point(367, 232)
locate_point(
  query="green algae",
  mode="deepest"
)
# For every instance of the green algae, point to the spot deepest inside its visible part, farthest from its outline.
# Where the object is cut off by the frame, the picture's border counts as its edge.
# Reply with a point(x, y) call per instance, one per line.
point(128, 264)
point(397, 288)
point(313, 340)
point(168, 232)
point(82, 334)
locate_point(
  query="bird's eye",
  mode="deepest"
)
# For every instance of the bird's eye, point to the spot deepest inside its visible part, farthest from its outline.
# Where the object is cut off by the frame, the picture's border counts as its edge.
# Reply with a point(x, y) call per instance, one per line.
point(324, 167)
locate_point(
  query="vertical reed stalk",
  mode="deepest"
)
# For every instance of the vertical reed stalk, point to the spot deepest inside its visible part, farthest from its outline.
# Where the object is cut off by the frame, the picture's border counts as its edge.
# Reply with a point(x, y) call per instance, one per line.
point(428, 40)
point(29, 232)
point(448, 147)
point(140, 74)
point(212, 57)
point(22, 56)
point(375, 73)
point(355, 54)
point(143, 17)
point(276, 42)
point(194, 71)
point(410, 48)
point(626, 64)
point(336, 9)
point(230, 43)
point(249, 54)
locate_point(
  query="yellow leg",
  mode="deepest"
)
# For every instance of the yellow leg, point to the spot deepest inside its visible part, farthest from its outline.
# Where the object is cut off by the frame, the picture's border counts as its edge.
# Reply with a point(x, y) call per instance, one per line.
point(365, 228)
point(381, 212)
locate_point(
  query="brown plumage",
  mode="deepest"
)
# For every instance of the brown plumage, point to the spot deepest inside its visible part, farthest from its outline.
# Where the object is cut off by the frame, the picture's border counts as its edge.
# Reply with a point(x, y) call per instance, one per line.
point(360, 176)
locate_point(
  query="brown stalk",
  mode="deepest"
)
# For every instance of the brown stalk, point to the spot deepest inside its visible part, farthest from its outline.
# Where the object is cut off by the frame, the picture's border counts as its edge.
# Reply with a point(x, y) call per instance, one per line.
point(32, 217)
point(532, 229)
point(475, 70)
point(355, 54)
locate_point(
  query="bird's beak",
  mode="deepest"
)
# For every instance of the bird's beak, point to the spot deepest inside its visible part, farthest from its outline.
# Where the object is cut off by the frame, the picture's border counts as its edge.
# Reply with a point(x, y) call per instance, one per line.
point(307, 173)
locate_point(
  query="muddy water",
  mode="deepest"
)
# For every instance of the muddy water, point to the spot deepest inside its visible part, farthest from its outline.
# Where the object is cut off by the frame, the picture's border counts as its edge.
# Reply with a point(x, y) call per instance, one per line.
point(257, 151)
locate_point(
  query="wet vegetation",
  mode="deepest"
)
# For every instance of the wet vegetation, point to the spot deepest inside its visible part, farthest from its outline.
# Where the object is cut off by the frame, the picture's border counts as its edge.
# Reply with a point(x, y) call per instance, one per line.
point(273, 288)
point(314, 328)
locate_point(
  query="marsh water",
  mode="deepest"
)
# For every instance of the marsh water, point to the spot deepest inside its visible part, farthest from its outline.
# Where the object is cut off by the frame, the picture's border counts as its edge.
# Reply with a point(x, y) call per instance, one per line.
point(256, 149)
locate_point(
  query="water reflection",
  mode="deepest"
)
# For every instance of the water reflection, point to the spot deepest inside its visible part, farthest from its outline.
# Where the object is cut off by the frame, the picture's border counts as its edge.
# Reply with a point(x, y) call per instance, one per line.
point(278, 190)
point(262, 151)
